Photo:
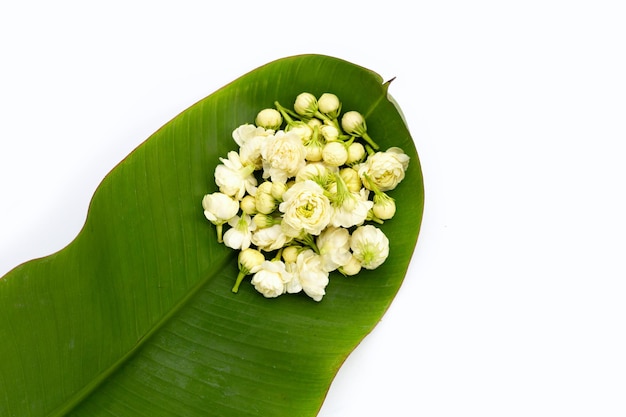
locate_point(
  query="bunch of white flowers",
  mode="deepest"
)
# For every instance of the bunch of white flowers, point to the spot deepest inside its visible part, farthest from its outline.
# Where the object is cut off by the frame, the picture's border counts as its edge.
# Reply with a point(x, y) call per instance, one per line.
point(302, 196)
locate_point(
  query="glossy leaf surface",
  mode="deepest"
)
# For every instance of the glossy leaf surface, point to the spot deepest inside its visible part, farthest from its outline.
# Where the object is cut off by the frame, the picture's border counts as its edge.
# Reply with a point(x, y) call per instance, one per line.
point(136, 316)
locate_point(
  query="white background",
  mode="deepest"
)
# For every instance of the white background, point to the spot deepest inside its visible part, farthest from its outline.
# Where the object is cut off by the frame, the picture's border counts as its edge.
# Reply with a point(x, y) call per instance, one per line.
point(515, 301)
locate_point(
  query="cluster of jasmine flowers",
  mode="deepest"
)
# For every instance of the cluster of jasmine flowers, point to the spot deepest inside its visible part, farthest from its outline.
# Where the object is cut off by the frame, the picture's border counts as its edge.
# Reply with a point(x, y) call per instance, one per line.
point(303, 196)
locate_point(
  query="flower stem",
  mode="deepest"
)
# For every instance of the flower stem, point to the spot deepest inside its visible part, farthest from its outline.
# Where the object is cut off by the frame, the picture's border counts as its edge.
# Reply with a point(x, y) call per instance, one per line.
point(285, 112)
point(309, 241)
point(342, 191)
point(238, 281)
point(372, 217)
point(219, 229)
point(370, 141)
point(322, 116)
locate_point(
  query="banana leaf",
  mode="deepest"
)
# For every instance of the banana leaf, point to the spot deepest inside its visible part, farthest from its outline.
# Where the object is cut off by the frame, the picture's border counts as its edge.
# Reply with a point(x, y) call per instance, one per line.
point(136, 316)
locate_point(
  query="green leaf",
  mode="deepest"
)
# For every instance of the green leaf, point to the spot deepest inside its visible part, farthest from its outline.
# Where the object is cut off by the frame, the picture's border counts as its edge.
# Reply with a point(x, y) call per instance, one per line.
point(136, 316)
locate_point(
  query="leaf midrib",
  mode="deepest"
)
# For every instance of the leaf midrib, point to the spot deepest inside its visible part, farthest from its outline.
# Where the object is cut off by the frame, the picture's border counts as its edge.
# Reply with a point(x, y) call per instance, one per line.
point(86, 391)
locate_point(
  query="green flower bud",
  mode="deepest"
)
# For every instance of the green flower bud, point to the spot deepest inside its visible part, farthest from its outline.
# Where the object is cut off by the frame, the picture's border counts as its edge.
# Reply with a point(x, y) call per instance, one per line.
point(305, 105)
point(248, 204)
point(329, 133)
point(314, 151)
point(314, 123)
point(249, 262)
point(250, 259)
point(352, 179)
point(356, 153)
point(303, 130)
point(329, 105)
point(269, 119)
point(384, 206)
point(265, 187)
point(354, 124)
point(353, 267)
point(334, 154)
point(290, 253)
point(265, 203)
point(277, 190)
point(263, 221)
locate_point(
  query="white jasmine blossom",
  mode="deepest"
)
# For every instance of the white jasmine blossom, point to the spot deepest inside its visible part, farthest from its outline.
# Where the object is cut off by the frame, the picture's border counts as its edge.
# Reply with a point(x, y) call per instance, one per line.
point(250, 152)
point(352, 211)
point(384, 170)
point(305, 209)
point(270, 238)
point(293, 287)
point(349, 208)
point(240, 233)
point(247, 131)
point(272, 278)
point(283, 156)
point(233, 178)
point(334, 247)
point(269, 119)
point(219, 209)
point(250, 140)
point(369, 246)
point(399, 154)
point(310, 274)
